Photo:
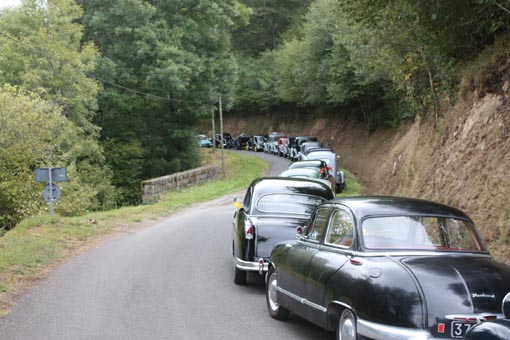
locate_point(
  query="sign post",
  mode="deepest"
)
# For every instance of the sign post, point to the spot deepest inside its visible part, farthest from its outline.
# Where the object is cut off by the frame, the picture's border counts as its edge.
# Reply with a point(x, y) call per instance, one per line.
point(51, 192)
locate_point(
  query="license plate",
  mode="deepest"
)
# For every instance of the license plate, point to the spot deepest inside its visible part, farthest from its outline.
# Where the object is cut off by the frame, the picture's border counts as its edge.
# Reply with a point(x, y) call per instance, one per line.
point(460, 328)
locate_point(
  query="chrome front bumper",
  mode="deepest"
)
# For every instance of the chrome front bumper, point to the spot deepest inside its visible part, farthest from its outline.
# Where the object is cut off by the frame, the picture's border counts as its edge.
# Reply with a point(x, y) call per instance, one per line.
point(251, 266)
point(377, 331)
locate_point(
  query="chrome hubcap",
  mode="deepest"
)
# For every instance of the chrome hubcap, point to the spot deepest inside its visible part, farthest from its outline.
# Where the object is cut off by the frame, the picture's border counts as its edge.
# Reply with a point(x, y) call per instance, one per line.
point(272, 293)
point(347, 326)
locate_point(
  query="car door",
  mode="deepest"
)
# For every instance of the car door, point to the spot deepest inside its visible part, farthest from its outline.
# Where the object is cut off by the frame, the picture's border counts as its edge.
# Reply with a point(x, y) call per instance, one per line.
point(292, 268)
point(333, 253)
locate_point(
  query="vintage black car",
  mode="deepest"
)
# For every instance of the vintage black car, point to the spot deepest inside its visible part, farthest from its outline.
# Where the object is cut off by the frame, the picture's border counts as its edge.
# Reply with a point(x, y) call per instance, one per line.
point(387, 268)
point(493, 329)
point(227, 141)
point(295, 145)
point(271, 210)
point(243, 142)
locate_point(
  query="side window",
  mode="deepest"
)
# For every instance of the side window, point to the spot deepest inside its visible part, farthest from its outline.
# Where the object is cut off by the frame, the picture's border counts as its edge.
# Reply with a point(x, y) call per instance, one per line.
point(247, 198)
point(341, 229)
point(318, 226)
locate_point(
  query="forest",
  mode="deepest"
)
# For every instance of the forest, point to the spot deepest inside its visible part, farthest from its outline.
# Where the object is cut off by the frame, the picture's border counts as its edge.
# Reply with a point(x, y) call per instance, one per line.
point(114, 91)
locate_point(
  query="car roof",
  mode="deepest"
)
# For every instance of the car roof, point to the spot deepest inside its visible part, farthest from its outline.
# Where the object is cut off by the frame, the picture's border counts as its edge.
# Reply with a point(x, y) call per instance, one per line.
point(305, 137)
point(269, 185)
point(325, 150)
point(363, 206)
point(308, 163)
point(304, 171)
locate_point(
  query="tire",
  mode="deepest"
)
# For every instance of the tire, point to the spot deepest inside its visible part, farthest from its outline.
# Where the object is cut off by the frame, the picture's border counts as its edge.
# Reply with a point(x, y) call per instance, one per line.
point(346, 328)
point(276, 311)
point(239, 276)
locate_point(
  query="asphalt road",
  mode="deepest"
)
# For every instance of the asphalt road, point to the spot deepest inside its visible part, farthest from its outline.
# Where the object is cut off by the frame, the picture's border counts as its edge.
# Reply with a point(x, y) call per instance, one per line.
point(172, 280)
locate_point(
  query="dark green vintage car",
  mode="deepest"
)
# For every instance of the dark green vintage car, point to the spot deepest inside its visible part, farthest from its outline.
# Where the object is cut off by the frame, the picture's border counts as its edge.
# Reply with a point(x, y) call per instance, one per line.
point(387, 268)
point(271, 210)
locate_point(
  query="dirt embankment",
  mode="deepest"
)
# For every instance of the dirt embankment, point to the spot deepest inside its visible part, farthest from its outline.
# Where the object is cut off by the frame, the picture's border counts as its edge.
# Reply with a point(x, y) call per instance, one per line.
point(463, 161)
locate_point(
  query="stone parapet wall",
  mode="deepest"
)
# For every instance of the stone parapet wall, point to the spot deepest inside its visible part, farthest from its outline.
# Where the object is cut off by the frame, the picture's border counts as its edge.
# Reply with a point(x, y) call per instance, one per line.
point(152, 188)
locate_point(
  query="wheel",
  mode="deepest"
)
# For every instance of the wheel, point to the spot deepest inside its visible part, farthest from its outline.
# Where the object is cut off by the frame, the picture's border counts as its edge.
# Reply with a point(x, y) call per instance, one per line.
point(239, 276)
point(275, 310)
point(346, 328)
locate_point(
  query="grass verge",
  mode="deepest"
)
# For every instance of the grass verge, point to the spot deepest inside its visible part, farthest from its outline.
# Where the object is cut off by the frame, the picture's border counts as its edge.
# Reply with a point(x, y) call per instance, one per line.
point(38, 245)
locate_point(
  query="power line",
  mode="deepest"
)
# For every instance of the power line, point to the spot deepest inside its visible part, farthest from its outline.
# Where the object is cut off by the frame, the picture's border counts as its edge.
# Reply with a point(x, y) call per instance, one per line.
point(108, 81)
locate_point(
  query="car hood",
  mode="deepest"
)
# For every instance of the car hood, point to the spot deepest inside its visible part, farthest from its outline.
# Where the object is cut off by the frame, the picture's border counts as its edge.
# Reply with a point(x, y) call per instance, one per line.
point(272, 230)
point(460, 284)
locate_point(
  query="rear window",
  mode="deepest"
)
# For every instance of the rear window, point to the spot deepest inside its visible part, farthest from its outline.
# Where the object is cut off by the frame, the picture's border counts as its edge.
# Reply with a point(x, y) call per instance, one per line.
point(420, 233)
point(288, 203)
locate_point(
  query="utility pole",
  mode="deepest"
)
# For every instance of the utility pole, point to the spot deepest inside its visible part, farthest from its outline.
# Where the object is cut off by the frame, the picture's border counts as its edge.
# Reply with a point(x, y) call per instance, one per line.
point(213, 132)
point(222, 140)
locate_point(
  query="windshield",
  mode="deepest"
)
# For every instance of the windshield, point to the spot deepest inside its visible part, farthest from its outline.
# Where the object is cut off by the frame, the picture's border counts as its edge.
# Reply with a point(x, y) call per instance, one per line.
point(420, 233)
point(288, 203)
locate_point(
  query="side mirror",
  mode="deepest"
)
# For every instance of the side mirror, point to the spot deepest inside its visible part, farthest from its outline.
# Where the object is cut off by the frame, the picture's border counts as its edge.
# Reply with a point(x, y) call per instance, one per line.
point(238, 203)
point(505, 306)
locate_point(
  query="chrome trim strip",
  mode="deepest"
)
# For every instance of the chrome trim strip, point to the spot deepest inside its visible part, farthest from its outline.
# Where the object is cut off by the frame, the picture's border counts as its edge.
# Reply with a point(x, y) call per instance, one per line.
point(249, 265)
point(481, 317)
point(382, 332)
point(301, 300)
point(413, 253)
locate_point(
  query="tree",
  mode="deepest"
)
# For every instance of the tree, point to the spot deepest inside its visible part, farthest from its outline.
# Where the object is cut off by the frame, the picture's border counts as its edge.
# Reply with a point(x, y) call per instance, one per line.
point(166, 64)
point(42, 52)
point(36, 134)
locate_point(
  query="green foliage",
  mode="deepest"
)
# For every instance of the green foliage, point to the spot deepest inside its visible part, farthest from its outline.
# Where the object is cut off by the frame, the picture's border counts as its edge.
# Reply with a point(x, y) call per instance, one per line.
point(390, 59)
point(179, 52)
point(269, 21)
point(44, 54)
point(36, 134)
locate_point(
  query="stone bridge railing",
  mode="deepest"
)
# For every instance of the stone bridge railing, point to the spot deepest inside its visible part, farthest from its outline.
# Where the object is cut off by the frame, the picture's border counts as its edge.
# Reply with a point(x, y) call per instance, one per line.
point(152, 188)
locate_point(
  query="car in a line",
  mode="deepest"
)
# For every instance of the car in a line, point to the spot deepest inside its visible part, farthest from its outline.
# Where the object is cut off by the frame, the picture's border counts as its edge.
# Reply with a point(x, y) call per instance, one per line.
point(204, 141)
point(258, 142)
point(227, 141)
point(283, 146)
point(498, 329)
point(316, 163)
point(387, 268)
point(331, 159)
point(243, 142)
point(306, 147)
point(271, 145)
point(272, 209)
point(310, 173)
point(295, 145)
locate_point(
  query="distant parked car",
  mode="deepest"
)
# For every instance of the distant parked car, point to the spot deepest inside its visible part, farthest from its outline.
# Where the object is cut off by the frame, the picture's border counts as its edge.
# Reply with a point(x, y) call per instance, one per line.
point(204, 141)
point(258, 142)
point(283, 146)
point(228, 142)
point(318, 164)
point(271, 145)
point(331, 159)
point(243, 142)
point(295, 145)
point(269, 213)
point(387, 268)
point(498, 329)
point(306, 147)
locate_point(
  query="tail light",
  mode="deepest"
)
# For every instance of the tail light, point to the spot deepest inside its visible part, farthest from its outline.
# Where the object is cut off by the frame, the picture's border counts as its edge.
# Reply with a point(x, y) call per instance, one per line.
point(249, 230)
